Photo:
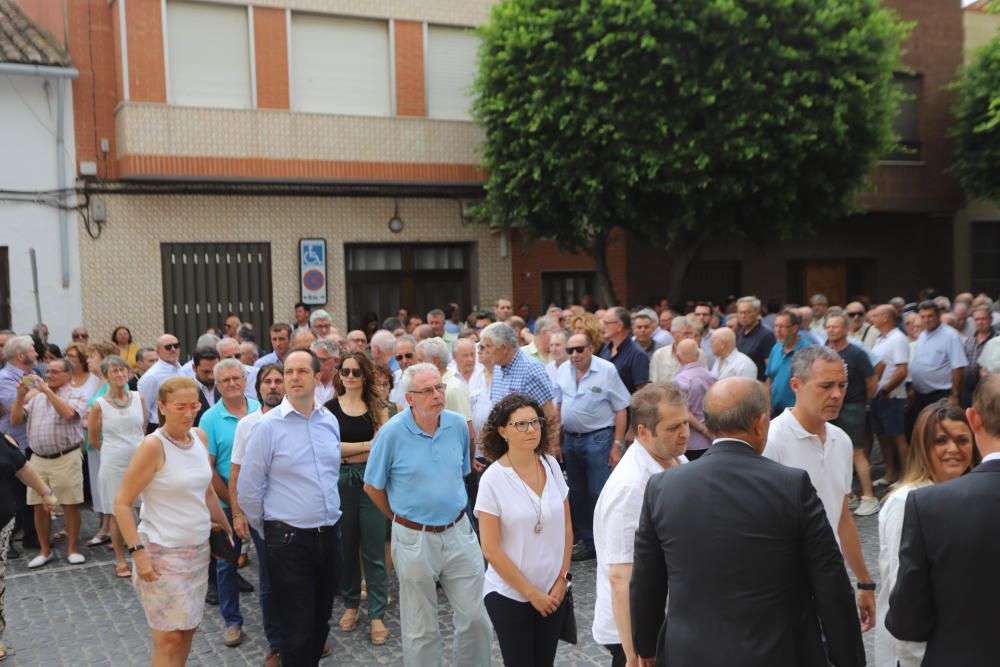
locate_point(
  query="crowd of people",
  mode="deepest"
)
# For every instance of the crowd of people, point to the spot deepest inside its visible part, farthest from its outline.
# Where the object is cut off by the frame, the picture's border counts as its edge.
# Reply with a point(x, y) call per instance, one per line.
point(710, 451)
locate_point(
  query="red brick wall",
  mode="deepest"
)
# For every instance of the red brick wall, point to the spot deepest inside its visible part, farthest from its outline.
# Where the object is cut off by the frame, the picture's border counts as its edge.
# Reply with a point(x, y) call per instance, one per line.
point(146, 71)
point(49, 14)
point(271, 51)
point(409, 46)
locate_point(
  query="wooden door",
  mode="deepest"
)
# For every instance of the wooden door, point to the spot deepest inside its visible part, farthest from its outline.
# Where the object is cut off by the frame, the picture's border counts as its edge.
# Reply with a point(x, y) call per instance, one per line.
point(829, 278)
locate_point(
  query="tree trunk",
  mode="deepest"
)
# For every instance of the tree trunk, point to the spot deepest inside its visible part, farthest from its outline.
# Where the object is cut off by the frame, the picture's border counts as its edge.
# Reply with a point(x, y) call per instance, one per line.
point(679, 260)
point(605, 288)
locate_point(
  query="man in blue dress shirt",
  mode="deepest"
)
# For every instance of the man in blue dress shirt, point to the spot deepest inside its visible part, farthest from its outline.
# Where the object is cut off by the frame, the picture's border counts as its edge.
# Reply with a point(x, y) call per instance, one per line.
point(288, 492)
point(415, 475)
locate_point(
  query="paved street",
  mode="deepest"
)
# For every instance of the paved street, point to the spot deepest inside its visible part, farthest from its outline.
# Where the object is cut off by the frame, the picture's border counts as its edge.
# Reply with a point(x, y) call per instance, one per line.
point(82, 615)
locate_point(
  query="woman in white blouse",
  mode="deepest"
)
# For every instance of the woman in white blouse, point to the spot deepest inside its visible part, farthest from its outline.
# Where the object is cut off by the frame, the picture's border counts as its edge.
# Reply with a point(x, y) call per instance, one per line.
point(942, 449)
point(526, 534)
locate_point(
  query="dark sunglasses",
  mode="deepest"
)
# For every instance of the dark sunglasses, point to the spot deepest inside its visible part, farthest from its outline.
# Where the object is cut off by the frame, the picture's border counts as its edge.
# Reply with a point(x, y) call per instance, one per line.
point(400, 357)
point(855, 314)
point(356, 372)
point(172, 346)
point(81, 336)
point(577, 350)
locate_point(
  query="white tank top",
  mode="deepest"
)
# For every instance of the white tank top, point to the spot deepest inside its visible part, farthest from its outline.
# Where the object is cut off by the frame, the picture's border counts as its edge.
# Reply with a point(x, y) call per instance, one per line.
point(173, 512)
point(122, 428)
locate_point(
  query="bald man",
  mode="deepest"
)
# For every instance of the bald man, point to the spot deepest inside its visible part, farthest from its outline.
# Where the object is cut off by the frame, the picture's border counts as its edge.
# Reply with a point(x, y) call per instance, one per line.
point(768, 518)
point(303, 338)
point(730, 362)
point(694, 380)
point(168, 349)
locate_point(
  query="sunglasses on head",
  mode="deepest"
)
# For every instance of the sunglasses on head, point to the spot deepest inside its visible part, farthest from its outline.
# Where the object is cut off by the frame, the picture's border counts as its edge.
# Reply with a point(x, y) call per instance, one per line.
point(578, 349)
point(172, 346)
point(356, 372)
point(400, 357)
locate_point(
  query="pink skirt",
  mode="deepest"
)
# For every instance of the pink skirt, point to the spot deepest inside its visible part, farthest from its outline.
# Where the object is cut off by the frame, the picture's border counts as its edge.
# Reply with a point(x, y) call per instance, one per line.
point(175, 601)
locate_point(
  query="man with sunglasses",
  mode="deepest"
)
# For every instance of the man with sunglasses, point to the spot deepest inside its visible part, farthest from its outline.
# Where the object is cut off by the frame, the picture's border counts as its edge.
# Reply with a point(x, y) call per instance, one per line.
point(415, 475)
point(229, 348)
point(859, 329)
point(168, 349)
point(405, 353)
point(592, 409)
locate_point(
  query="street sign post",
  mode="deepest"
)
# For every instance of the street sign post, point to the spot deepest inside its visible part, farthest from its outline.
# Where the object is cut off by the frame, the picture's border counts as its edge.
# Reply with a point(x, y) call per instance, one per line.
point(312, 271)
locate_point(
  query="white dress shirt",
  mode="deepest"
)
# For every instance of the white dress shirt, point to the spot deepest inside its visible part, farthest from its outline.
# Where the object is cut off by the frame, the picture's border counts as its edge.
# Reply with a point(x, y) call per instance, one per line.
point(736, 364)
point(149, 386)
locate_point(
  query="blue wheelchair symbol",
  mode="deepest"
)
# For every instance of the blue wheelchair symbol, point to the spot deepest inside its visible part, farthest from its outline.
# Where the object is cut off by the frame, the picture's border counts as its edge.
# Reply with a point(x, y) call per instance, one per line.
point(312, 254)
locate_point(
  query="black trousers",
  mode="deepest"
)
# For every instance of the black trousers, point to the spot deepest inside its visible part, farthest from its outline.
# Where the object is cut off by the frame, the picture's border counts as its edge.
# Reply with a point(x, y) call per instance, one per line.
point(618, 658)
point(304, 566)
point(527, 639)
point(921, 401)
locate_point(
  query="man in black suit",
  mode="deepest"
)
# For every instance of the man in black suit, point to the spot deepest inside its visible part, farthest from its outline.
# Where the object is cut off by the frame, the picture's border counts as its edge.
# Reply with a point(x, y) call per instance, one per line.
point(203, 364)
point(758, 579)
point(948, 589)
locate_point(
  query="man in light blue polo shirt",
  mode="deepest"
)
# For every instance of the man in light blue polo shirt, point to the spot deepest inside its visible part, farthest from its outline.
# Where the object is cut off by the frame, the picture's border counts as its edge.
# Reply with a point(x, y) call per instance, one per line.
point(219, 423)
point(938, 363)
point(593, 401)
point(415, 475)
point(779, 362)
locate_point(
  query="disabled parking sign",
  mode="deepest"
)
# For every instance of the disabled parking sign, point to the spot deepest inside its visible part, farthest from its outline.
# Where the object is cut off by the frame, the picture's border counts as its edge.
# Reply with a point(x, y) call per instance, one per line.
point(312, 271)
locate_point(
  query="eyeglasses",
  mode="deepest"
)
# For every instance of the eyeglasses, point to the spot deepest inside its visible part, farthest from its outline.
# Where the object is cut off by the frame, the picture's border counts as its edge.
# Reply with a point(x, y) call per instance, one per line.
point(358, 341)
point(578, 349)
point(81, 336)
point(235, 378)
point(522, 426)
point(855, 314)
point(346, 372)
point(400, 357)
point(438, 389)
point(51, 370)
point(610, 322)
point(172, 346)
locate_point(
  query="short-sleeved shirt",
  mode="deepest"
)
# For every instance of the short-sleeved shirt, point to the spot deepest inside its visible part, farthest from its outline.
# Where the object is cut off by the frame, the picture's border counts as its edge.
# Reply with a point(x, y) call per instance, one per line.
point(893, 349)
point(423, 475)
point(779, 370)
point(631, 361)
point(616, 517)
point(830, 464)
point(935, 356)
point(989, 357)
point(456, 397)
point(48, 432)
point(736, 364)
point(591, 403)
point(242, 434)
point(756, 344)
point(10, 377)
point(219, 425)
point(859, 369)
point(539, 556)
point(522, 375)
point(695, 381)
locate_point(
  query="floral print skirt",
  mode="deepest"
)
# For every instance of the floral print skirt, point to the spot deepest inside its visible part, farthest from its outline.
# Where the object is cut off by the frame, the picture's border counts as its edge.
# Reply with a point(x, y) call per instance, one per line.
point(175, 601)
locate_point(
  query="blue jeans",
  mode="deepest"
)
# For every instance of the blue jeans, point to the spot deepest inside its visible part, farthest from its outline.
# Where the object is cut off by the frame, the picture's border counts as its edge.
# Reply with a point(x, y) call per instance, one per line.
point(586, 461)
point(229, 583)
point(268, 605)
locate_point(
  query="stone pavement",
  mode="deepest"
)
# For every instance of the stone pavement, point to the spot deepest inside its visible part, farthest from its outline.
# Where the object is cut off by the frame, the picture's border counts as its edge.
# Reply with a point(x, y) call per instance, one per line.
point(63, 614)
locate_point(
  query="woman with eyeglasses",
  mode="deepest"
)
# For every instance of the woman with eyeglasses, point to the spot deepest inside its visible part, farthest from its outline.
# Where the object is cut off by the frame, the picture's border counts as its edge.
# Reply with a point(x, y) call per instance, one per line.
point(170, 548)
point(360, 411)
point(127, 350)
point(525, 532)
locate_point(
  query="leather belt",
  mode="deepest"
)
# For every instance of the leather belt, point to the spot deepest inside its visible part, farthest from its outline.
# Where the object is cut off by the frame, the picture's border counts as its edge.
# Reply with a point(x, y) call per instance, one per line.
point(413, 525)
point(56, 456)
point(288, 528)
point(580, 435)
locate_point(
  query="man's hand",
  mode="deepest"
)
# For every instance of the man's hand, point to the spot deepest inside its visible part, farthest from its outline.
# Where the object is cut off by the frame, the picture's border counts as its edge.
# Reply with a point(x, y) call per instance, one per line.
point(614, 456)
point(50, 501)
point(647, 662)
point(555, 451)
point(866, 609)
point(241, 526)
point(478, 467)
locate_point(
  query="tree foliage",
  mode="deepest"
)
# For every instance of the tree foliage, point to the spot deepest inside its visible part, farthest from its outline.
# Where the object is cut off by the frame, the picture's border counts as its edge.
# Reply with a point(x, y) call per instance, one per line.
point(683, 119)
point(977, 124)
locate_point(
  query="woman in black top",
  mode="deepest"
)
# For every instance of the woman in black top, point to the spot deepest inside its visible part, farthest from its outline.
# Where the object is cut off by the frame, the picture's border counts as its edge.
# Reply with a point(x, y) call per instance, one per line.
point(13, 464)
point(360, 413)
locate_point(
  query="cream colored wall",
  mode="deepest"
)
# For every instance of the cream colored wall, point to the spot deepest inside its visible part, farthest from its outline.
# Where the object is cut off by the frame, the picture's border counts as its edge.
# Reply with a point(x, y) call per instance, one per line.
point(157, 129)
point(980, 28)
point(451, 12)
point(122, 282)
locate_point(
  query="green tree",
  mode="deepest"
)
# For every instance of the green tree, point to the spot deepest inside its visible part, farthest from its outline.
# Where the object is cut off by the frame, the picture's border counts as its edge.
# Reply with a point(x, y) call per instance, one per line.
point(977, 124)
point(681, 120)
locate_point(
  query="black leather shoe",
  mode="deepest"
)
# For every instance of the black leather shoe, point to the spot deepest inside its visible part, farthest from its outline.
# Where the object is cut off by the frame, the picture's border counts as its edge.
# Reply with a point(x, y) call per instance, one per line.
point(212, 597)
point(583, 552)
point(245, 586)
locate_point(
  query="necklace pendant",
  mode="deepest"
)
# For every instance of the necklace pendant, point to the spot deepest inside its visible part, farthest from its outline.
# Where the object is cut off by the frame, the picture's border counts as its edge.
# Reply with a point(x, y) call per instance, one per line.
point(538, 527)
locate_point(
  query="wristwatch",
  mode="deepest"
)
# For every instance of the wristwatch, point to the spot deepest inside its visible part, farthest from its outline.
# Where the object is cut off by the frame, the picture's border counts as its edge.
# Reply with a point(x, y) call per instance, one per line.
point(138, 547)
point(866, 587)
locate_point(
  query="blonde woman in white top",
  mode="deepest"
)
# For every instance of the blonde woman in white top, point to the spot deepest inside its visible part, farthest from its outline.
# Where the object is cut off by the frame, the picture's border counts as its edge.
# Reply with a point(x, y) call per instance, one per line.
point(526, 533)
point(170, 548)
point(942, 449)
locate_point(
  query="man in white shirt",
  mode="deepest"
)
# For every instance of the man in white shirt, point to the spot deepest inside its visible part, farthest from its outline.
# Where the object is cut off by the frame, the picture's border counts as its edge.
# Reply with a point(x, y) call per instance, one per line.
point(801, 437)
point(168, 349)
point(938, 363)
point(328, 354)
point(660, 421)
point(730, 362)
point(889, 405)
point(664, 362)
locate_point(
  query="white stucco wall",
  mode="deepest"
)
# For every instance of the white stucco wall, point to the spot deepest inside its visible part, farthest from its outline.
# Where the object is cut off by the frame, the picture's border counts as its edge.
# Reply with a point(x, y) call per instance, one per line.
point(28, 118)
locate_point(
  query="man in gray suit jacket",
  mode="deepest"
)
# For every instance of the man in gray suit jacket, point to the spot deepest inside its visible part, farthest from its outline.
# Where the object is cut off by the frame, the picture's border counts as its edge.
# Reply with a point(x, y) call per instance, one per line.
point(757, 580)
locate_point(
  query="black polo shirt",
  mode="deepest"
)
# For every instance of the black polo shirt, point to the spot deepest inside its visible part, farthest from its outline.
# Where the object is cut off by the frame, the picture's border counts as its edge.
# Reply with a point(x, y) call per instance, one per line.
point(756, 344)
point(631, 361)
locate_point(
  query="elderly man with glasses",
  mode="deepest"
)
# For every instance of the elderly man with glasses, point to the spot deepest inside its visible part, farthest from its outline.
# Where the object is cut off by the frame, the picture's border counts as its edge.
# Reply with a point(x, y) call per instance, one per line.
point(404, 352)
point(593, 401)
point(415, 475)
point(168, 350)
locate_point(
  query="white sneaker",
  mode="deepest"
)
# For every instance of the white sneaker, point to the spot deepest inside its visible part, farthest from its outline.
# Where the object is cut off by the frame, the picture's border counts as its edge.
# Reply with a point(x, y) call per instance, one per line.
point(40, 560)
point(882, 481)
point(76, 559)
point(868, 505)
point(852, 502)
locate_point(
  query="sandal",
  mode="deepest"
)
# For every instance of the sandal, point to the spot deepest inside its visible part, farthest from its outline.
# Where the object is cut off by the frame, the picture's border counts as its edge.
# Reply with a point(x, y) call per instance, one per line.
point(59, 535)
point(379, 633)
point(98, 540)
point(349, 620)
point(123, 572)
